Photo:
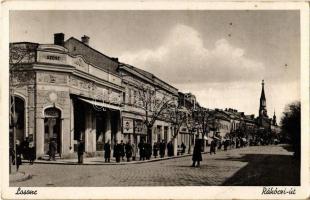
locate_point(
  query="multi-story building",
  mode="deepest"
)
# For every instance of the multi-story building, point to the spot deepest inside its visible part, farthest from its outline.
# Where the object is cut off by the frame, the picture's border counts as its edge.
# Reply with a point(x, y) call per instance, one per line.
point(65, 95)
point(68, 91)
point(146, 97)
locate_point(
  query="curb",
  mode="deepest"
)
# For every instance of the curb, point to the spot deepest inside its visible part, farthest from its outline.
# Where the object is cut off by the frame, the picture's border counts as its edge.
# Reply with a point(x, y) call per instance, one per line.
point(121, 163)
point(60, 162)
point(23, 177)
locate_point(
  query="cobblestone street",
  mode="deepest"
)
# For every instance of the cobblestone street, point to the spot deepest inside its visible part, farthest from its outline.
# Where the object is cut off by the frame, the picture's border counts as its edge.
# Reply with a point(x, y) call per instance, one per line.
point(259, 165)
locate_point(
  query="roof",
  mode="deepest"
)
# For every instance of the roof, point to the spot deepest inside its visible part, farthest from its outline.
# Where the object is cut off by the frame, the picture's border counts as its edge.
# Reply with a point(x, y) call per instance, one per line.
point(91, 59)
point(146, 74)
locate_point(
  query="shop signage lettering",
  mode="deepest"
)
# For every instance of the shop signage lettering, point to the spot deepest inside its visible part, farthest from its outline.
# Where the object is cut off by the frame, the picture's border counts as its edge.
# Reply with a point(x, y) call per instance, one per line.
point(49, 57)
point(53, 57)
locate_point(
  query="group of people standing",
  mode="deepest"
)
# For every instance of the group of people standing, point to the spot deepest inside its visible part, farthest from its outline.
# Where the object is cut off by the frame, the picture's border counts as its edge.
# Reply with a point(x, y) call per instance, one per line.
point(129, 150)
point(25, 150)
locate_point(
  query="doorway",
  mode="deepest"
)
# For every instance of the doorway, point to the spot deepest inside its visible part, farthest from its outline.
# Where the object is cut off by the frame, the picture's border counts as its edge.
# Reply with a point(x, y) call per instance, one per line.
point(52, 128)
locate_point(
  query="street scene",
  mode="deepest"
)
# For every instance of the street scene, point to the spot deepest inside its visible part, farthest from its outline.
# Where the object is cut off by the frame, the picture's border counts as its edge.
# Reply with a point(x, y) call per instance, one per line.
point(161, 98)
point(247, 166)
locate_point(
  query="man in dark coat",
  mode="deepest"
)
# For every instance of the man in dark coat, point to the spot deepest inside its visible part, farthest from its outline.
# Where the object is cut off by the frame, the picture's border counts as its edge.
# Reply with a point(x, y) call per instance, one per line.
point(197, 157)
point(183, 146)
point(162, 149)
point(80, 151)
point(25, 148)
point(148, 151)
point(170, 148)
point(122, 150)
point(52, 149)
point(107, 151)
point(117, 151)
point(18, 154)
point(155, 149)
point(128, 149)
point(141, 147)
point(213, 146)
point(31, 152)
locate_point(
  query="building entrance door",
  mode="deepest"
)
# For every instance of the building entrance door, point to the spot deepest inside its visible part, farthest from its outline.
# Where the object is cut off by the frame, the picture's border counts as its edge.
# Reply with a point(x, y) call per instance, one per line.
point(52, 128)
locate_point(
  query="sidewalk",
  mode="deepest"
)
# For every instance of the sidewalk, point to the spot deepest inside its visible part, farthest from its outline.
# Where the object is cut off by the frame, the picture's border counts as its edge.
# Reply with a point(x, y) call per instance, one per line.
point(100, 160)
point(19, 176)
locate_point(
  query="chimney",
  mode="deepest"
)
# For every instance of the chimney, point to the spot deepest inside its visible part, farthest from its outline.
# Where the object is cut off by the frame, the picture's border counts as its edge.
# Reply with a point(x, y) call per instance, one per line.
point(59, 39)
point(85, 39)
point(115, 59)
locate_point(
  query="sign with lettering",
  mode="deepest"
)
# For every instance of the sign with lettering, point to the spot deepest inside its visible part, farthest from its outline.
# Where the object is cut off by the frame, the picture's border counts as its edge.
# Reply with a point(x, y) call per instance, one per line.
point(127, 125)
point(50, 57)
point(140, 127)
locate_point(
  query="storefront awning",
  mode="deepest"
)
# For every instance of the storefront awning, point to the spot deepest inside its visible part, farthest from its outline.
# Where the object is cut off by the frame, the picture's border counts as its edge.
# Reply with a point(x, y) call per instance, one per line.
point(100, 104)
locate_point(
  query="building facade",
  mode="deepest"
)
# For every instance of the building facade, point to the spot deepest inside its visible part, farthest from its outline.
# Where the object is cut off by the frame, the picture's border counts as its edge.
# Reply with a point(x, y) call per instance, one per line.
point(65, 97)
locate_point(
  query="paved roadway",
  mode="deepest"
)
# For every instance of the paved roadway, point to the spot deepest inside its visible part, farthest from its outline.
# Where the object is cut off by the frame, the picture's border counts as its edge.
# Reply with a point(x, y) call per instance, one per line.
point(259, 165)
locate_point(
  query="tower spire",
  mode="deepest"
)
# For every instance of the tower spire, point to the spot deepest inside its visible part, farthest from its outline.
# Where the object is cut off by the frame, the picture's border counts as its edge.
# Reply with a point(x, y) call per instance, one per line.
point(262, 105)
point(262, 96)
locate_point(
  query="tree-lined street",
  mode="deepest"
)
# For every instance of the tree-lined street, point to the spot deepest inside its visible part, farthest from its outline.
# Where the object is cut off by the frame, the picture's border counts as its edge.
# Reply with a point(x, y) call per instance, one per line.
point(256, 165)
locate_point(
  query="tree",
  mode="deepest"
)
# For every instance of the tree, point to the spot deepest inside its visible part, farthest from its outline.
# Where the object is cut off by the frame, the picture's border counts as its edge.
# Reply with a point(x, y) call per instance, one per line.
point(290, 123)
point(155, 103)
point(18, 54)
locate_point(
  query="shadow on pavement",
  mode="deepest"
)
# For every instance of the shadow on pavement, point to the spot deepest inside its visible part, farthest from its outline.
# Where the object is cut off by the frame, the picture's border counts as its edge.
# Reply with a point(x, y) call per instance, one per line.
point(265, 169)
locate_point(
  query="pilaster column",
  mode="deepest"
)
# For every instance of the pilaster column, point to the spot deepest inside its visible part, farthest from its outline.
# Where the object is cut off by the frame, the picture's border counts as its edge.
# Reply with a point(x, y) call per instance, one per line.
point(162, 134)
point(107, 134)
point(71, 126)
point(119, 131)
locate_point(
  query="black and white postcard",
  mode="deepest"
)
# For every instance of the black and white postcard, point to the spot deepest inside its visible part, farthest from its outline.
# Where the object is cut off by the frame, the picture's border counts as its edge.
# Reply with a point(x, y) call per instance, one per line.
point(154, 100)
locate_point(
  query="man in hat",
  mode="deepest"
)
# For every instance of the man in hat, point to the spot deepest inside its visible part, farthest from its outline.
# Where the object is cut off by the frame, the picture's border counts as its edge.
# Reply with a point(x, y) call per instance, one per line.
point(80, 151)
point(52, 149)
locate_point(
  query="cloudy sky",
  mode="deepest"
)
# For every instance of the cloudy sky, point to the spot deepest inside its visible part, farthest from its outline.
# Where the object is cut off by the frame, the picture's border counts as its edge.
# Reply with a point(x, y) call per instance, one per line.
point(220, 56)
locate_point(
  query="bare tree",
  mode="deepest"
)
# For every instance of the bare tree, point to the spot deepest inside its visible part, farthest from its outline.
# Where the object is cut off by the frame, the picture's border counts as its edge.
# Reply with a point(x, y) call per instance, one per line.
point(154, 106)
point(19, 53)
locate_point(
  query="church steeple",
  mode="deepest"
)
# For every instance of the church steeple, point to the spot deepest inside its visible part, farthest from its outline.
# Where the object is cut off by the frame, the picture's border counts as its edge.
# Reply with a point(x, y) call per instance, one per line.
point(262, 105)
point(274, 118)
point(262, 96)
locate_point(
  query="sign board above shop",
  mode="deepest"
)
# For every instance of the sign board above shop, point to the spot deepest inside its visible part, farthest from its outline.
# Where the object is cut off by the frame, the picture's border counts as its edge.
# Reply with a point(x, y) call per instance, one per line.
point(140, 127)
point(127, 125)
point(50, 57)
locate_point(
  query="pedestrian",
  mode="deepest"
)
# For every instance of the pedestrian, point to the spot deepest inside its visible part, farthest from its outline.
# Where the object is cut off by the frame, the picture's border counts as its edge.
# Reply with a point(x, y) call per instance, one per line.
point(162, 149)
point(220, 145)
point(107, 151)
point(213, 146)
point(18, 161)
point(148, 151)
point(183, 147)
point(122, 150)
point(155, 149)
point(128, 149)
point(31, 152)
point(25, 148)
point(141, 147)
point(117, 151)
point(170, 148)
point(226, 144)
point(197, 157)
point(80, 151)
point(52, 149)
point(134, 151)
point(237, 143)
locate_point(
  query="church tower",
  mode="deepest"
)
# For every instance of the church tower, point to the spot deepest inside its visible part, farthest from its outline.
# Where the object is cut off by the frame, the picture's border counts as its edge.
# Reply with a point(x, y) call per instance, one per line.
point(274, 119)
point(262, 105)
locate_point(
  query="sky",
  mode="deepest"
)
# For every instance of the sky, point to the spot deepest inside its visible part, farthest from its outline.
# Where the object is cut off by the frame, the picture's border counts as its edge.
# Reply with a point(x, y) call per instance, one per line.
point(219, 56)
